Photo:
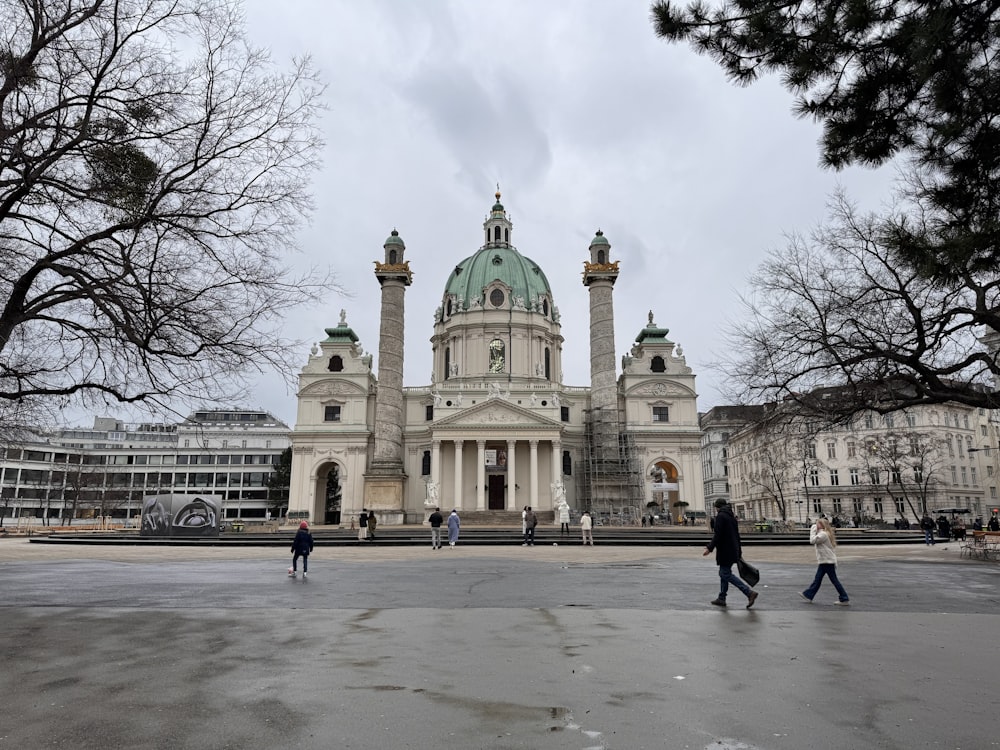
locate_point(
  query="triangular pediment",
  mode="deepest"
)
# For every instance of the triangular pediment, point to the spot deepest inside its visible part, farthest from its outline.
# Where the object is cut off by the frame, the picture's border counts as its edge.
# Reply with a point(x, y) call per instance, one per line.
point(494, 413)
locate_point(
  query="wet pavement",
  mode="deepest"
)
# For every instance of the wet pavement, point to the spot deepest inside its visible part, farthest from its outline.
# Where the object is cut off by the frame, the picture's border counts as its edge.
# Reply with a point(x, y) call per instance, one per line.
point(554, 647)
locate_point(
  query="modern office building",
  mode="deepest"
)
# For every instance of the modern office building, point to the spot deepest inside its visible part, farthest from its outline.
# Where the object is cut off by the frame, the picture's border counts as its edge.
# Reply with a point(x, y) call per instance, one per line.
point(106, 470)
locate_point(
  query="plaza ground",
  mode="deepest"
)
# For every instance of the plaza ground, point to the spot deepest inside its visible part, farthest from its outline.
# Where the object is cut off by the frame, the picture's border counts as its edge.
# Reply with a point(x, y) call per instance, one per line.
point(499, 648)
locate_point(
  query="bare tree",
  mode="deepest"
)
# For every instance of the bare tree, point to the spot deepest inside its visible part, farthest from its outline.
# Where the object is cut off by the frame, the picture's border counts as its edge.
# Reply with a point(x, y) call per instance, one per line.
point(776, 457)
point(154, 168)
point(911, 464)
point(839, 309)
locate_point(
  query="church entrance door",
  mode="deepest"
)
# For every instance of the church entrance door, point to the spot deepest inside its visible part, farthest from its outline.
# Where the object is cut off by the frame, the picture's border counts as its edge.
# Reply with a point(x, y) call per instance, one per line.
point(496, 490)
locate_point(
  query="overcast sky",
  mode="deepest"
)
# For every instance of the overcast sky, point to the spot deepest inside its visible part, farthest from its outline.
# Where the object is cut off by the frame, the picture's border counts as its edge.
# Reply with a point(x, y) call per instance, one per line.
point(587, 121)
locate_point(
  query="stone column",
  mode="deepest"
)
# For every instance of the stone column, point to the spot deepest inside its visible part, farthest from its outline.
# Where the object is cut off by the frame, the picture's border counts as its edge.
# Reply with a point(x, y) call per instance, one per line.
point(599, 276)
point(436, 462)
point(533, 476)
point(385, 479)
point(459, 490)
point(556, 461)
point(480, 475)
point(511, 476)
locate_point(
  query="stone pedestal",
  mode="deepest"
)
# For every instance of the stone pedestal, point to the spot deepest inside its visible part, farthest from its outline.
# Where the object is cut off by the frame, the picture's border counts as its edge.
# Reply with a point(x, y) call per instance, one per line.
point(385, 493)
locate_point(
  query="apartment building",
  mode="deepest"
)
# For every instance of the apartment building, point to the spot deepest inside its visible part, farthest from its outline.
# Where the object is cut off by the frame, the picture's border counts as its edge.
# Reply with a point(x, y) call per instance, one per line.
point(875, 469)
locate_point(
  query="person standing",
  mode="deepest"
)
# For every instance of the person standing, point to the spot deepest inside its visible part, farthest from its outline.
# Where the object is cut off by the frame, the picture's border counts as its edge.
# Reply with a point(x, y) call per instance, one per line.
point(586, 526)
point(372, 524)
point(823, 537)
point(530, 522)
point(436, 519)
point(563, 517)
point(302, 545)
point(927, 524)
point(727, 546)
point(454, 524)
point(994, 523)
point(524, 516)
point(363, 525)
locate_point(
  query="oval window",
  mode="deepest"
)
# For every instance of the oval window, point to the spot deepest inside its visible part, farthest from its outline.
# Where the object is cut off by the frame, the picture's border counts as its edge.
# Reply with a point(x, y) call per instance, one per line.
point(496, 297)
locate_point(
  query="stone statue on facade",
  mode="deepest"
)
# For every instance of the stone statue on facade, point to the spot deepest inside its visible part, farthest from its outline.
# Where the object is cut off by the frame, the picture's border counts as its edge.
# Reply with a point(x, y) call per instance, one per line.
point(558, 495)
point(432, 495)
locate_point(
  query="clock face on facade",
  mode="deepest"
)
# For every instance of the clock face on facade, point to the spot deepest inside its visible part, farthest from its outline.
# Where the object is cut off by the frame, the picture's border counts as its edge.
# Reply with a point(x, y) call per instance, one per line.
point(496, 298)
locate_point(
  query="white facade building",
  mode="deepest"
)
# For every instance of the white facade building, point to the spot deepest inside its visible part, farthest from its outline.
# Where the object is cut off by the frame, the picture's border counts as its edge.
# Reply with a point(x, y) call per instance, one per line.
point(878, 468)
point(497, 428)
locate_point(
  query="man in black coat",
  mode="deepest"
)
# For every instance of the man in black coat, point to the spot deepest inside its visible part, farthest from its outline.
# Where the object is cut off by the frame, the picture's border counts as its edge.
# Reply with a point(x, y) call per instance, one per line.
point(726, 543)
point(436, 520)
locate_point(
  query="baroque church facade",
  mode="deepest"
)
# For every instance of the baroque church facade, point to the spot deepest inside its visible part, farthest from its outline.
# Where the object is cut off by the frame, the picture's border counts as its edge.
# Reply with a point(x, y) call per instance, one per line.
point(497, 429)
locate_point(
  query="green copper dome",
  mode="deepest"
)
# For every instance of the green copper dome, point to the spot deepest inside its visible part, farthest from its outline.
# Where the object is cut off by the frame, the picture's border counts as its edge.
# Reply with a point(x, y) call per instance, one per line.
point(505, 264)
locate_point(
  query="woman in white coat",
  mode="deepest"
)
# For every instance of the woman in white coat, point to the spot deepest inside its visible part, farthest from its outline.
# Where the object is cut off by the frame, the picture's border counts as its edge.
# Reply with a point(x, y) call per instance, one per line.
point(823, 537)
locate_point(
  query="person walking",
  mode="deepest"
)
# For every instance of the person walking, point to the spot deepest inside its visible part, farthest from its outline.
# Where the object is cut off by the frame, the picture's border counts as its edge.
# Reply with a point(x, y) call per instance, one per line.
point(586, 526)
point(302, 545)
point(823, 537)
point(530, 522)
point(524, 516)
point(363, 525)
point(727, 546)
point(927, 524)
point(372, 524)
point(454, 524)
point(436, 519)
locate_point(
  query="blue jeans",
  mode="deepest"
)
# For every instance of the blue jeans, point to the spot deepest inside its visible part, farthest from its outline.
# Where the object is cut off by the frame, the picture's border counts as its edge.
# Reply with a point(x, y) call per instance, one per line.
point(829, 570)
point(726, 577)
point(305, 561)
point(928, 536)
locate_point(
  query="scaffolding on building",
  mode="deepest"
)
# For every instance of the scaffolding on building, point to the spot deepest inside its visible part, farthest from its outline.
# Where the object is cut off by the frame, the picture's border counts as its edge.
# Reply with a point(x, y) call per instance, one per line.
point(611, 484)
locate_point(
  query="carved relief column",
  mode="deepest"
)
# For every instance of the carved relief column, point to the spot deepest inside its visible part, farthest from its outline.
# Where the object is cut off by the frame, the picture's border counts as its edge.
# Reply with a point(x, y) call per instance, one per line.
point(481, 475)
point(511, 476)
point(385, 481)
point(533, 475)
point(459, 490)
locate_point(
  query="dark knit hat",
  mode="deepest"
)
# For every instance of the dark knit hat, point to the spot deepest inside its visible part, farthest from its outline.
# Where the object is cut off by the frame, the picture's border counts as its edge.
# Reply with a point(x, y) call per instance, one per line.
point(721, 503)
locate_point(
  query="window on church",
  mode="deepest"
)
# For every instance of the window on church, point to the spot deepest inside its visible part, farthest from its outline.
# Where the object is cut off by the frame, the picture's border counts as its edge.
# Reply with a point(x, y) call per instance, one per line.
point(545, 307)
point(336, 363)
point(548, 364)
point(447, 308)
point(601, 257)
point(657, 364)
point(447, 362)
point(567, 464)
point(429, 412)
point(496, 233)
point(392, 257)
point(661, 413)
point(425, 464)
point(506, 235)
point(497, 353)
point(564, 413)
point(331, 413)
point(497, 297)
